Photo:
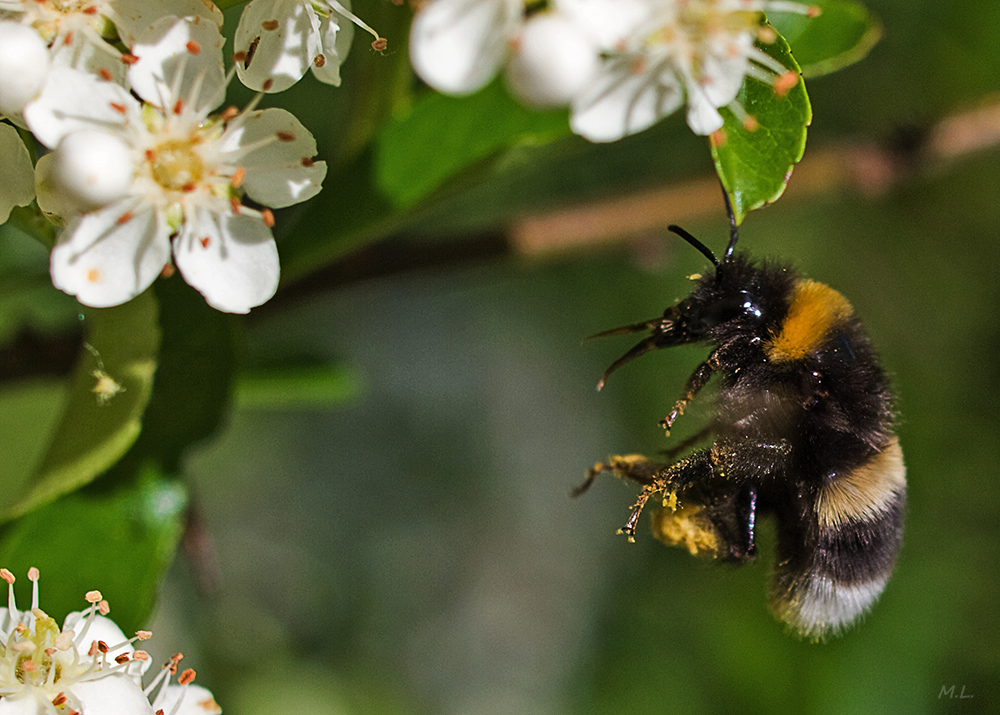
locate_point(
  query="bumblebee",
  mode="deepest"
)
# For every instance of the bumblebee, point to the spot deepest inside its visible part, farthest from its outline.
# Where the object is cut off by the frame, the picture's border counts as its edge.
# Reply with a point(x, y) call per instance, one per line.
point(802, 431)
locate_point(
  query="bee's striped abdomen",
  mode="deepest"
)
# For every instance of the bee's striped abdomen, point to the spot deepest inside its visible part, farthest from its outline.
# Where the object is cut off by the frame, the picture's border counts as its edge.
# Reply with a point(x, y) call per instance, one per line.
point(857, 526)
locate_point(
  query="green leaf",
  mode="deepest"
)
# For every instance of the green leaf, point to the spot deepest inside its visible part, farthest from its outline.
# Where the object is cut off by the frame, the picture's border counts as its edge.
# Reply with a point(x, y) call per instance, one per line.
point(442, 135)
point(117, 536)
point(840, 35)
point(754, 164)
point(95, 428)
point(194, 377)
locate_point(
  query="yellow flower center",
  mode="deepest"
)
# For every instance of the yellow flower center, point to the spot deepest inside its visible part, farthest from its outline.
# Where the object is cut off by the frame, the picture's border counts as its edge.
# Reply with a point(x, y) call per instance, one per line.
point(32, 653)
point(176, 166)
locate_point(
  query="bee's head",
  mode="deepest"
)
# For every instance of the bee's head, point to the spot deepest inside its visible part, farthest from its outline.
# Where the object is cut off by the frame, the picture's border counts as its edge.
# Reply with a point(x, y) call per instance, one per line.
point(735, 300)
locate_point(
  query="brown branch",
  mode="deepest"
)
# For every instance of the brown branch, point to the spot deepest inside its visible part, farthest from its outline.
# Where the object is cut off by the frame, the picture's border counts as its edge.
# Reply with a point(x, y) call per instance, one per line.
point(863, 166)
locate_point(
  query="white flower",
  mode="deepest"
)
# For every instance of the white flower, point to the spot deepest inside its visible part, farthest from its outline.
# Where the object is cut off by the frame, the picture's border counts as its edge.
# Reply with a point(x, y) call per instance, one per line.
point(278, 40)
point(83, 33)
point(87, 667)
point(16, 173)
point(677, 51)
point(191, 170)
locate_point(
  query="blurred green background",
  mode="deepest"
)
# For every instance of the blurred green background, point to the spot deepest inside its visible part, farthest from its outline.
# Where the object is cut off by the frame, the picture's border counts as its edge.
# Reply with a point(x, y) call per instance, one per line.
point(405, 542)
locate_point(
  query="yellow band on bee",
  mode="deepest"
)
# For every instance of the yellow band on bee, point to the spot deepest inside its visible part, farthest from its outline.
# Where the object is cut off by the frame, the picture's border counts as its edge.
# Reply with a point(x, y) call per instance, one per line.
point(814, 310)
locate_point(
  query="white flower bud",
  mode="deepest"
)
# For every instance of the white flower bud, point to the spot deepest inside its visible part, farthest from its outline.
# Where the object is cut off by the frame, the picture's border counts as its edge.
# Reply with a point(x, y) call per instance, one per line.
point(24, 64)
point(555, 60)
point(93, 167)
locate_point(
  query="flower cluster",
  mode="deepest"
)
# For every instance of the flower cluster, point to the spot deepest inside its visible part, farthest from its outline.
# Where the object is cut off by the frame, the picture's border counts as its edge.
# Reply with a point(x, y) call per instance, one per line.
point(619, 65)
point(87, 667)
point(146, 171)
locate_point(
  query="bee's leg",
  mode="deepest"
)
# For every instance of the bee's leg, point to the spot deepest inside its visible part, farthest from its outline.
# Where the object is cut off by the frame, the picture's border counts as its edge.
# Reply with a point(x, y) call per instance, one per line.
point(745, 545)
point(669, 479)
point(679, 449)
point(630, 466)
point(699, 378)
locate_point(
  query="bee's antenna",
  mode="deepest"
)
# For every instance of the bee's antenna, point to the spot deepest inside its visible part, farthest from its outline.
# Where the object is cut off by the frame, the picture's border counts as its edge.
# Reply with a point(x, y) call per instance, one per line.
point(734, 231)
point(695, 242)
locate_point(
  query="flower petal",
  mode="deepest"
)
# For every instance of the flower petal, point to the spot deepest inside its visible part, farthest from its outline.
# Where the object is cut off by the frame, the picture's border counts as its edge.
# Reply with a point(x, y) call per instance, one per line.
point(102, 628)
point(702, 116)
point(175, 55)
point(231, 259)
point(132, 18)
point(110, 256)
point(622, 102)
point(336, 34)
point(722, 72)
point(73, 100)
point(23, 703)
point(457, 46)
point(275, 39)
point(609, 22)
point(18, 185)
point(115, 694)
point(281, 171)
point(194, 699)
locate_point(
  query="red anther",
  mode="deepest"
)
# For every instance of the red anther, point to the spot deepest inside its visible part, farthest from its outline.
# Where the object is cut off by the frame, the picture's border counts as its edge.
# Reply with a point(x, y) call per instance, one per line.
point(193, 47)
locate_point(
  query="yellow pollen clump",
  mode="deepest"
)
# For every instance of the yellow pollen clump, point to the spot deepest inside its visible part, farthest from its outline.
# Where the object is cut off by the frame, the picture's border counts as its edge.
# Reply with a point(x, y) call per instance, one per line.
point(176, 166)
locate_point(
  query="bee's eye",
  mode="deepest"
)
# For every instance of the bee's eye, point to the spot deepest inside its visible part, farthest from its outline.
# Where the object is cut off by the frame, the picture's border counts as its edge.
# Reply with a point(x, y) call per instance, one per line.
point(738, 306)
